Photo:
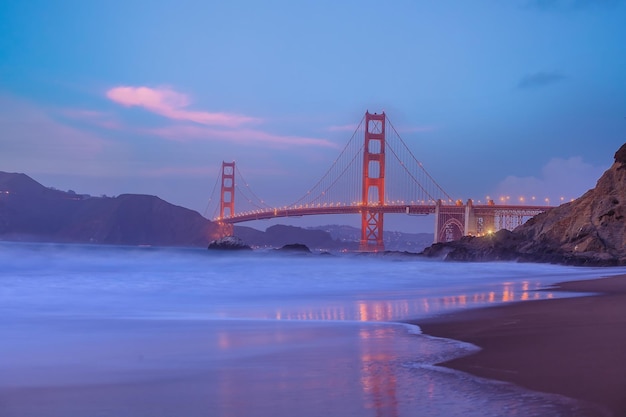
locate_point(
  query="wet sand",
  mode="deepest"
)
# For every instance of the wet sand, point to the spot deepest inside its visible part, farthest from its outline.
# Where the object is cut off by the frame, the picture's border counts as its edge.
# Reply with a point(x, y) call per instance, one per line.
point(574, 346)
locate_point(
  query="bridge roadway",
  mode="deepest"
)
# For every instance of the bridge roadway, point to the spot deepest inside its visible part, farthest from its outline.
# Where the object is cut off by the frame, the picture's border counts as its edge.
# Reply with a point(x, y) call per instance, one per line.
point(414, 209)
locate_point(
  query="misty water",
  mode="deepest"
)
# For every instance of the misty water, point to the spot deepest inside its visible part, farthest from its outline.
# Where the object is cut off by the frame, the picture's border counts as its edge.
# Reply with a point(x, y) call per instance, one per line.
point(123, 331)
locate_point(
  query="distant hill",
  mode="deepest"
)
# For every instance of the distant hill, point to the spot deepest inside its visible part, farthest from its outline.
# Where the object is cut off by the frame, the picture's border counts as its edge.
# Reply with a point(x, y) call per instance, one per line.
point(31, 212)
point(280, 235)
point(331, 237)
point(394, 241)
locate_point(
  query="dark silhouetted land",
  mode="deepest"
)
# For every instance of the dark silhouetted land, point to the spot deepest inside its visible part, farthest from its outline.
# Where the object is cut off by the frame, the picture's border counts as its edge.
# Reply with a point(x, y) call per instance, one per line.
point(31, 212)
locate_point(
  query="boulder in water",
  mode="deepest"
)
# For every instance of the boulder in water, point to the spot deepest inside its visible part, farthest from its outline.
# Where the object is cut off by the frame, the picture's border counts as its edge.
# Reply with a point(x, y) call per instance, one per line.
point(295, 247)
point(229, 243)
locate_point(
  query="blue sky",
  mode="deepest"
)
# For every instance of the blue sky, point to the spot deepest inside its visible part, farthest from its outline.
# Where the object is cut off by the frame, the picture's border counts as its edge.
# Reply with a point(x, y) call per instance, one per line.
point(493, 97)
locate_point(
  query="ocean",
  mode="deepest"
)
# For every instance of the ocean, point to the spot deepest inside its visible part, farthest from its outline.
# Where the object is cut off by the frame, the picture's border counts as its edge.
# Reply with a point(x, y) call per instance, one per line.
point(115, 331)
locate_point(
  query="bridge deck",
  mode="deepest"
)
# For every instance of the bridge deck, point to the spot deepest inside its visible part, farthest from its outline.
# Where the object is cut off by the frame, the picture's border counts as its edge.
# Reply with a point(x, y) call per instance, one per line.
point(387, 208)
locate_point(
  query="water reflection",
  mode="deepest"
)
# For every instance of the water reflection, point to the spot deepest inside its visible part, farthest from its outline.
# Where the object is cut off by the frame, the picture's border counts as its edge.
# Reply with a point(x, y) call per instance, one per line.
point(378, 378)
point(393, 307)
point(370, 354)
point(352, 367)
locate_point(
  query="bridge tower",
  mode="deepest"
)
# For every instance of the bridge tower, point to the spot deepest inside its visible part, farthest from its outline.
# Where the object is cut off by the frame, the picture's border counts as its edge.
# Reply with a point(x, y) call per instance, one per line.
point(373, 197)
point(227, 195)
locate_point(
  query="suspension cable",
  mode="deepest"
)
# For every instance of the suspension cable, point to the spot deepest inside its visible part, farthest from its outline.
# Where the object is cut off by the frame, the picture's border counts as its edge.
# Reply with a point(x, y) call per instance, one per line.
point(217, 180)
point(340, 175)
point(332, 166)
point(418, 162)
point(263, 205)
point(249, 200)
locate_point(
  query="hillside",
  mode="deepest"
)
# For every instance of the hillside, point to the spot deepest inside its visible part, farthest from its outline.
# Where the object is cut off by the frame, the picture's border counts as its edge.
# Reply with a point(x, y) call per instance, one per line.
point(280, 235)
point(590, 230)
point(31, 212)
point(330, 237)
point(394, 241)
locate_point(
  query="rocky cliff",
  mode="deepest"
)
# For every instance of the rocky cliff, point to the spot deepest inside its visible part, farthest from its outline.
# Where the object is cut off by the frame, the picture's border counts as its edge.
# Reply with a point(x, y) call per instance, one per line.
point(590, 230)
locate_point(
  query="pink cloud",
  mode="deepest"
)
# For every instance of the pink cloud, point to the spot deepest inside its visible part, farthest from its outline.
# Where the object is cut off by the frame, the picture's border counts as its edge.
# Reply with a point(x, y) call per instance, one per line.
point(416, 129)
point(343, 128)
point(172, 104)
point(202, 172)
point(185, 132)
point(559, 178)
point(35, 142)
point(93, 117)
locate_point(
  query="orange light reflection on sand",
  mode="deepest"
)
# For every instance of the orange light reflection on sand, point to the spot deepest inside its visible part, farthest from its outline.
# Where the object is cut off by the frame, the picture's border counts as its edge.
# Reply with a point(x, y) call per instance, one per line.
point(223, 341)
point(507, 293)
point(378, 379)
point(388, 310)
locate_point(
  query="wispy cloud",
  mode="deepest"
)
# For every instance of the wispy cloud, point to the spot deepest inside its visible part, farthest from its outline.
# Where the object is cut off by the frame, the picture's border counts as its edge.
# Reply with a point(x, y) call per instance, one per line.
point(343, 128)
point(199, 125)
point(181, 171)
point(94, 117)
point(415, 129)
point(185, 133)
point(539, 79)
point(34, 141)
point(168, 103)
point(567, 178)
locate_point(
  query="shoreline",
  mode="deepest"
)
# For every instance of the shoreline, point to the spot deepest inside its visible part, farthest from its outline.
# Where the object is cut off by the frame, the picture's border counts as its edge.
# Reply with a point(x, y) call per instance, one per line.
point(574, 347)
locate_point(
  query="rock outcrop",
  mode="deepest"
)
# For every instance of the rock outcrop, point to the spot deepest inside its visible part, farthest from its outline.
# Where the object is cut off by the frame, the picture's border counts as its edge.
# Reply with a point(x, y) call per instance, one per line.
point(590, 230)
point(295, 248)
point(231, 243)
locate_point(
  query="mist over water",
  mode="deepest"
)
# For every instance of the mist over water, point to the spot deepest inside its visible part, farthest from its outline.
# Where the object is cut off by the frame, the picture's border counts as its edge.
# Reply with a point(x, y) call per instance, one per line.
point(124, 331)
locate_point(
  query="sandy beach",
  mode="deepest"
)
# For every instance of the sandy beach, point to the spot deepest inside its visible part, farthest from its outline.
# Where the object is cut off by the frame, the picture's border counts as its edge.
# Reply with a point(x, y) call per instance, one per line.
point(574, 346)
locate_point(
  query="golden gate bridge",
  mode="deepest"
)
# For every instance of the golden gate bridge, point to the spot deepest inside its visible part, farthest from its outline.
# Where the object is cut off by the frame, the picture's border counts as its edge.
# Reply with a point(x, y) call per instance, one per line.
point(375, 173)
